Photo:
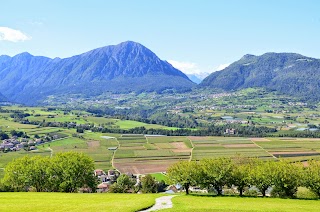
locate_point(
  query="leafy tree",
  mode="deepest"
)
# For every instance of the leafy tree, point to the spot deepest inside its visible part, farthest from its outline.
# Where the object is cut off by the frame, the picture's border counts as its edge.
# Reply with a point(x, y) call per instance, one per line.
point(26, 172)
point(70, 171)
point(241, 169)
point(185, 173)
point(216, 173)
point(287, 178)
point(149, 185)
point(123, 184)
point(262, 175)
point(65, 172)
point(312, 176)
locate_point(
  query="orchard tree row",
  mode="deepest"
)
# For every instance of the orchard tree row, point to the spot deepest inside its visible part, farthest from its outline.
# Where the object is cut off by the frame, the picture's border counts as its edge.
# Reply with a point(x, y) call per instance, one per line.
point(282, 176)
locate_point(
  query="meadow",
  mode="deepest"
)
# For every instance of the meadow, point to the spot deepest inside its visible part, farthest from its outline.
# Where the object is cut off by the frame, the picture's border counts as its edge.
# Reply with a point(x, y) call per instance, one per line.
point(134, 202)
point(75, 202)
point(245, 204)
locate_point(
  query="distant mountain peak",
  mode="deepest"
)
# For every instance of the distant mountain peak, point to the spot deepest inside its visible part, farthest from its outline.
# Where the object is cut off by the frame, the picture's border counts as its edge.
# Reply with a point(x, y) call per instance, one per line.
point(126, 67)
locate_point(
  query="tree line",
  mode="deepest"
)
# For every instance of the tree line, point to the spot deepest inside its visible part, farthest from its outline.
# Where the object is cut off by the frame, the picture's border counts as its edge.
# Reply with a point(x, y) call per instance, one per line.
point(215, 174)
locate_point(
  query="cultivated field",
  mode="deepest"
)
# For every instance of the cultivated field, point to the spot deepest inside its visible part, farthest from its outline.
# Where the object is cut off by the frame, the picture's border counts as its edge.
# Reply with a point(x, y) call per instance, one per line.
point(296, 149)
point(149, 154)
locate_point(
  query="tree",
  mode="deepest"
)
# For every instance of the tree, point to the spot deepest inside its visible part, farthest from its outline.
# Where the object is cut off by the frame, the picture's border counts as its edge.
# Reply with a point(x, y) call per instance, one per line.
point(26, 172)
point(287, 178)
point(65, 172)
point(70, 171)
point(123, 184)
point(240, 175)
point(216, 173)
point(262, 175)
point(149, 185)
point(185, 173)
point(312, 176)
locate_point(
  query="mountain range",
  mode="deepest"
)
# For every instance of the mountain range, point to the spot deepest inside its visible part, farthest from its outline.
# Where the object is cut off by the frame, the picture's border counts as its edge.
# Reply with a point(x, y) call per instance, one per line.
point(288, 73)
point(125, 67)
point(131, 67)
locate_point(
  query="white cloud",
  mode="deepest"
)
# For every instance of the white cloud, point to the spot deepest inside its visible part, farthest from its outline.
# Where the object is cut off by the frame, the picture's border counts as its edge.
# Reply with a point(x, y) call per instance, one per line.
point(8, 34)
point(222, 66)
point(189, 68)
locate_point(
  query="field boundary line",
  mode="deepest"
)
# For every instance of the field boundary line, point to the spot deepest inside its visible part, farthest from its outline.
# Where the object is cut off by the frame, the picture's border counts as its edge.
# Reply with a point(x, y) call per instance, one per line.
point(146, 139)
point(191, 155)
point(264, 149)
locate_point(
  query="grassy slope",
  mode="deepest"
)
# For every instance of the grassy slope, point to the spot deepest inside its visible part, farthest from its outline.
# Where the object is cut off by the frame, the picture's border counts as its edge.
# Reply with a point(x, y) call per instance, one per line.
point(75, 202)
point(194, 203)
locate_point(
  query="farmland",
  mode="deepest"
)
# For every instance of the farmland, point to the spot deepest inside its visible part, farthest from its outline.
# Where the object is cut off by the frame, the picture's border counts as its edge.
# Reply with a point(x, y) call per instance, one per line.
point(149, 154)
point(144, 153)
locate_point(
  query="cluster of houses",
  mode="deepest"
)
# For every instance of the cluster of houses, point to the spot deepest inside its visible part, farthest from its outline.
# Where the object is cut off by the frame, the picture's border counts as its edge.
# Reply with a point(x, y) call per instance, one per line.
point(14, 144)
point(105, 179)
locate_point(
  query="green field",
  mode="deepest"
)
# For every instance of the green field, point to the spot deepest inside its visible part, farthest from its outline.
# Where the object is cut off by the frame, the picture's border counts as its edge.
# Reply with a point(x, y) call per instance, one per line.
point(227, 204)
point(135, 202)
point(75, 202)
point(159, 177)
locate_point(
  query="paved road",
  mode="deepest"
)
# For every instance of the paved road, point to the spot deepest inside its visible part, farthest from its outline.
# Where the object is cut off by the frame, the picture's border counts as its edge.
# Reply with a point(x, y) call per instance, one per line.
point(161, 203)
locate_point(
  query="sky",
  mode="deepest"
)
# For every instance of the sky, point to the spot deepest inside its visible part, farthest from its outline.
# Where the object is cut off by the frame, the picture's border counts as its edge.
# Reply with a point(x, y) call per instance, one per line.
point(196, 36)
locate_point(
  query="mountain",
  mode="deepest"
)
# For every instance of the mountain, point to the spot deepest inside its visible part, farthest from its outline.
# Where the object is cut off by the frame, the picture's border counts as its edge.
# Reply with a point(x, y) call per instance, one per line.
point(194, 78)
point(125, 67)
point(3, 98)
point(287, 73)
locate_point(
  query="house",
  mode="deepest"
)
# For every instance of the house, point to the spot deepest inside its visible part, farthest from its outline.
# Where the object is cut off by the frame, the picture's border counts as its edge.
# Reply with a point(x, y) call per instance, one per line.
point(20, 146)
point(32, 148)
point(172, 189)
point(230, 131)
point(8, 145)
point(104, 178)
point(38, 141)
point(103, 187)
point(99, 172)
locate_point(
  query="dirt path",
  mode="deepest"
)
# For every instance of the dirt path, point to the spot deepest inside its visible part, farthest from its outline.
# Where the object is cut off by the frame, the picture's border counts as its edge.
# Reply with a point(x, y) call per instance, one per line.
point(51, 150)
point(113, 155)
point(161, 203)
point(191, 155)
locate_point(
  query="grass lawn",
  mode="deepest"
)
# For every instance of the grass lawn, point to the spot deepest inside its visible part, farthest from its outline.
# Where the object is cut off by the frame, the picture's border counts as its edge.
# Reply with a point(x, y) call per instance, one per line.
point(75, 202)
point(160, 176)
point(199, 203)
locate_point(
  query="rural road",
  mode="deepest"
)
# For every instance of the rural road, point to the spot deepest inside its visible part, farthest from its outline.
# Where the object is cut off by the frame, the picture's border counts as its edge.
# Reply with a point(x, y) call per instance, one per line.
point(161, 203)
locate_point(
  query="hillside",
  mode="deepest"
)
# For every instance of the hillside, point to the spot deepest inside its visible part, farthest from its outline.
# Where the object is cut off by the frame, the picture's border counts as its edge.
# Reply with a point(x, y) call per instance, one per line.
point(288, 73)
point(2, 98)
point(125, 67)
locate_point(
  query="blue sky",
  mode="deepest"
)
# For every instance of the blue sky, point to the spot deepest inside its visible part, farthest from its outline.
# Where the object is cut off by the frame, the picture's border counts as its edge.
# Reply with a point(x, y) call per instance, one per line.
point(196, 35)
